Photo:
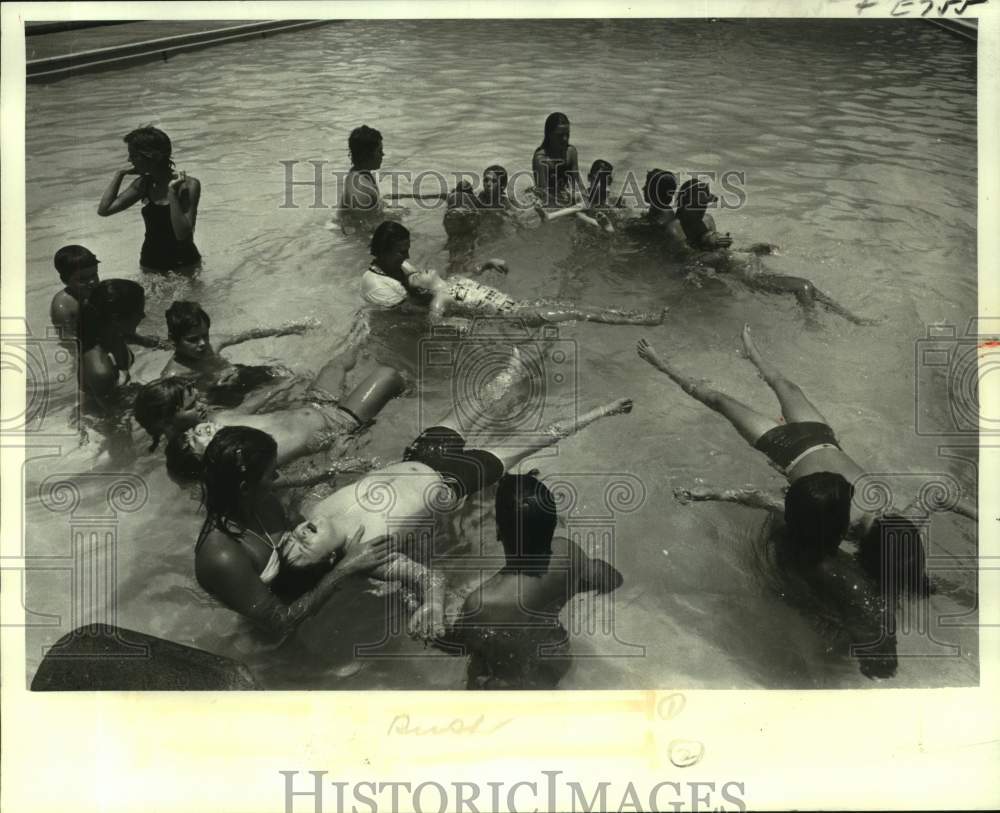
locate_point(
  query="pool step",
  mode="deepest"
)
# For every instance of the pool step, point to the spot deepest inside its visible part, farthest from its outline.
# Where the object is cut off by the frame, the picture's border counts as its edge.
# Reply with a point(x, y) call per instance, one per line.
point(58, 67)
point(969, 29)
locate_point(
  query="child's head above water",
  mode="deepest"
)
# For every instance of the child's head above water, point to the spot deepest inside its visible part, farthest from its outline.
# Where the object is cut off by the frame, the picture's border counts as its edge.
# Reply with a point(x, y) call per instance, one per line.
point(659, 188)
point(77, 267)
point(494, 184)
point(114, 306)
point(365, 146)
point(462, 196)
point(165, 404)
point(149, 150)
point(239, 464)
point(600, 176)
point(391, 245)
point(556, 138)
point(817, 515)
point(185, 451)
point(187, 327)
point(526, 520)
point(312, 543)
point(695, 196)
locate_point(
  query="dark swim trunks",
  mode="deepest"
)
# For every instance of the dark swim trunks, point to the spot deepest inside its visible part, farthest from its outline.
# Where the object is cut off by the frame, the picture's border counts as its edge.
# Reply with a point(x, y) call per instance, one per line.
point(466, 471)
point(788, 442)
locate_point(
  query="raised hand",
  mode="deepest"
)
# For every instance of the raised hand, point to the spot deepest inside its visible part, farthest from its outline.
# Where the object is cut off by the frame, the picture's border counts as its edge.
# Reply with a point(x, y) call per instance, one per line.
point(175, 185)
point(364, 557)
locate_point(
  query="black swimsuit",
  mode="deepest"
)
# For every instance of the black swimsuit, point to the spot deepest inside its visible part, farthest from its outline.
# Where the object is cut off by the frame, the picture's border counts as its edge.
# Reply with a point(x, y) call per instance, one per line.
point(466, 471)
point(161, 250)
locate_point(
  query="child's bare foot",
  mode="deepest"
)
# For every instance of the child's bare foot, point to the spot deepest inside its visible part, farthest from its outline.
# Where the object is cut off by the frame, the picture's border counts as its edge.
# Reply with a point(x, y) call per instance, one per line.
point(648, 354)
point(750, 347)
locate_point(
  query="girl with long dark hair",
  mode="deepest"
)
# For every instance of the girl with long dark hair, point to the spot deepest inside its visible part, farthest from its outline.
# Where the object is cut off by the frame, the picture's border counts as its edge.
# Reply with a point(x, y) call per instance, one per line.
point(555, 164)
point(238, 556)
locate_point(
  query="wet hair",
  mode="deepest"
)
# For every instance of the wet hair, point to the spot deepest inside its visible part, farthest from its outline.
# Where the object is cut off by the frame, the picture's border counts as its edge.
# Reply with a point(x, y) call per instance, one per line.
point(110, 299)
point(388, 234)
point(553, 121)
point(184, 465)
point(600, 172)
point(498, 170)
point(460, 221)
point(817, 515)
point(660, 187)
point(362, 142)
point(70, 259)
point(238, 456)
point(152, 143)
point(463, 196)
point(693, 194)
point(182, 317)
point(892, 553)
point(600, 167)
point(157, 403)
point(526, 520)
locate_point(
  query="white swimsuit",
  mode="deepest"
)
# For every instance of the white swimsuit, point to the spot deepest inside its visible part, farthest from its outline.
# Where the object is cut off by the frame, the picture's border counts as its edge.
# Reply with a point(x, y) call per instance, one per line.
point(478, 298)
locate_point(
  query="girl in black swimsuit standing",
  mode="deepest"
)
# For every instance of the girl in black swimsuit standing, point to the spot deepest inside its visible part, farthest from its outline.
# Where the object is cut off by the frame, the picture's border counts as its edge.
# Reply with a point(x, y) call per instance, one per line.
point(170, 198)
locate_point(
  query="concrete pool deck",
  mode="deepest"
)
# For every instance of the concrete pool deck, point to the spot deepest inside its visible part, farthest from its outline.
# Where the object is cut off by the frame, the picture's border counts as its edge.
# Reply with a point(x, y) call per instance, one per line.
point(58, 54)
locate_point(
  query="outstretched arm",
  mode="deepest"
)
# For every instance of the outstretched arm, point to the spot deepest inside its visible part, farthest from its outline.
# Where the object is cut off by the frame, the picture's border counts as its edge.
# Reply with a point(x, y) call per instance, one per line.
point(599, 221)
point(832, 305)
point(153, 342)
point(296, 327)
point(590, 573)
point(962, 507)
point(352, 465)
point(512, 455)
point(748, 496)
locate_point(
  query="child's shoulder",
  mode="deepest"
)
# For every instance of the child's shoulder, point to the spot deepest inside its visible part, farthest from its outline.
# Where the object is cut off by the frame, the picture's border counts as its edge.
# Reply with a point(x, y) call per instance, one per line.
point(176, 368)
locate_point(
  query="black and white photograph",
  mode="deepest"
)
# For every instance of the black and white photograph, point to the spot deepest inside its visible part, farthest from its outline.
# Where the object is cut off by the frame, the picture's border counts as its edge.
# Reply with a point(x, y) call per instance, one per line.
point(629, 352)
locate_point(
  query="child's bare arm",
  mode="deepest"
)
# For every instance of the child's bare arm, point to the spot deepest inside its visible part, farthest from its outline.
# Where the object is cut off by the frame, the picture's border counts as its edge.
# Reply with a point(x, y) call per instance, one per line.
point(748, 496)
point(296, 327)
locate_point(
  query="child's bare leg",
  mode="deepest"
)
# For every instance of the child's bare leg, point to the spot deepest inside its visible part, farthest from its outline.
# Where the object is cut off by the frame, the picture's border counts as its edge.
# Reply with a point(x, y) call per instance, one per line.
point(332, 378)
point(794, 404)
point(511, 455)
point(836, 307)
point(748, 422)
point(544, 311)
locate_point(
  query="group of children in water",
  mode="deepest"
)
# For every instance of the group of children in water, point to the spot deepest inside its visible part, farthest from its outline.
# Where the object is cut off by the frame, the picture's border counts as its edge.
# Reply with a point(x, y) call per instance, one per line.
point(234, 428)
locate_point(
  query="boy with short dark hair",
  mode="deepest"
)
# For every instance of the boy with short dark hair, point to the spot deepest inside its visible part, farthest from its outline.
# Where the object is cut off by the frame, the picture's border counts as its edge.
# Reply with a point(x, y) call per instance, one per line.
point(188, 329)
point(77, 267)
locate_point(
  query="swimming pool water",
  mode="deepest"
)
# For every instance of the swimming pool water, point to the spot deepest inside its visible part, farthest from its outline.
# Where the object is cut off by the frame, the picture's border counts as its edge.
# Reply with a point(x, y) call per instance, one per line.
point(857, 139)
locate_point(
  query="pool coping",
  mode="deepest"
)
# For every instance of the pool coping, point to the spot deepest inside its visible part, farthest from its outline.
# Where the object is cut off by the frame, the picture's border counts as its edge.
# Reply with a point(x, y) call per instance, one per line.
point(58, 67)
